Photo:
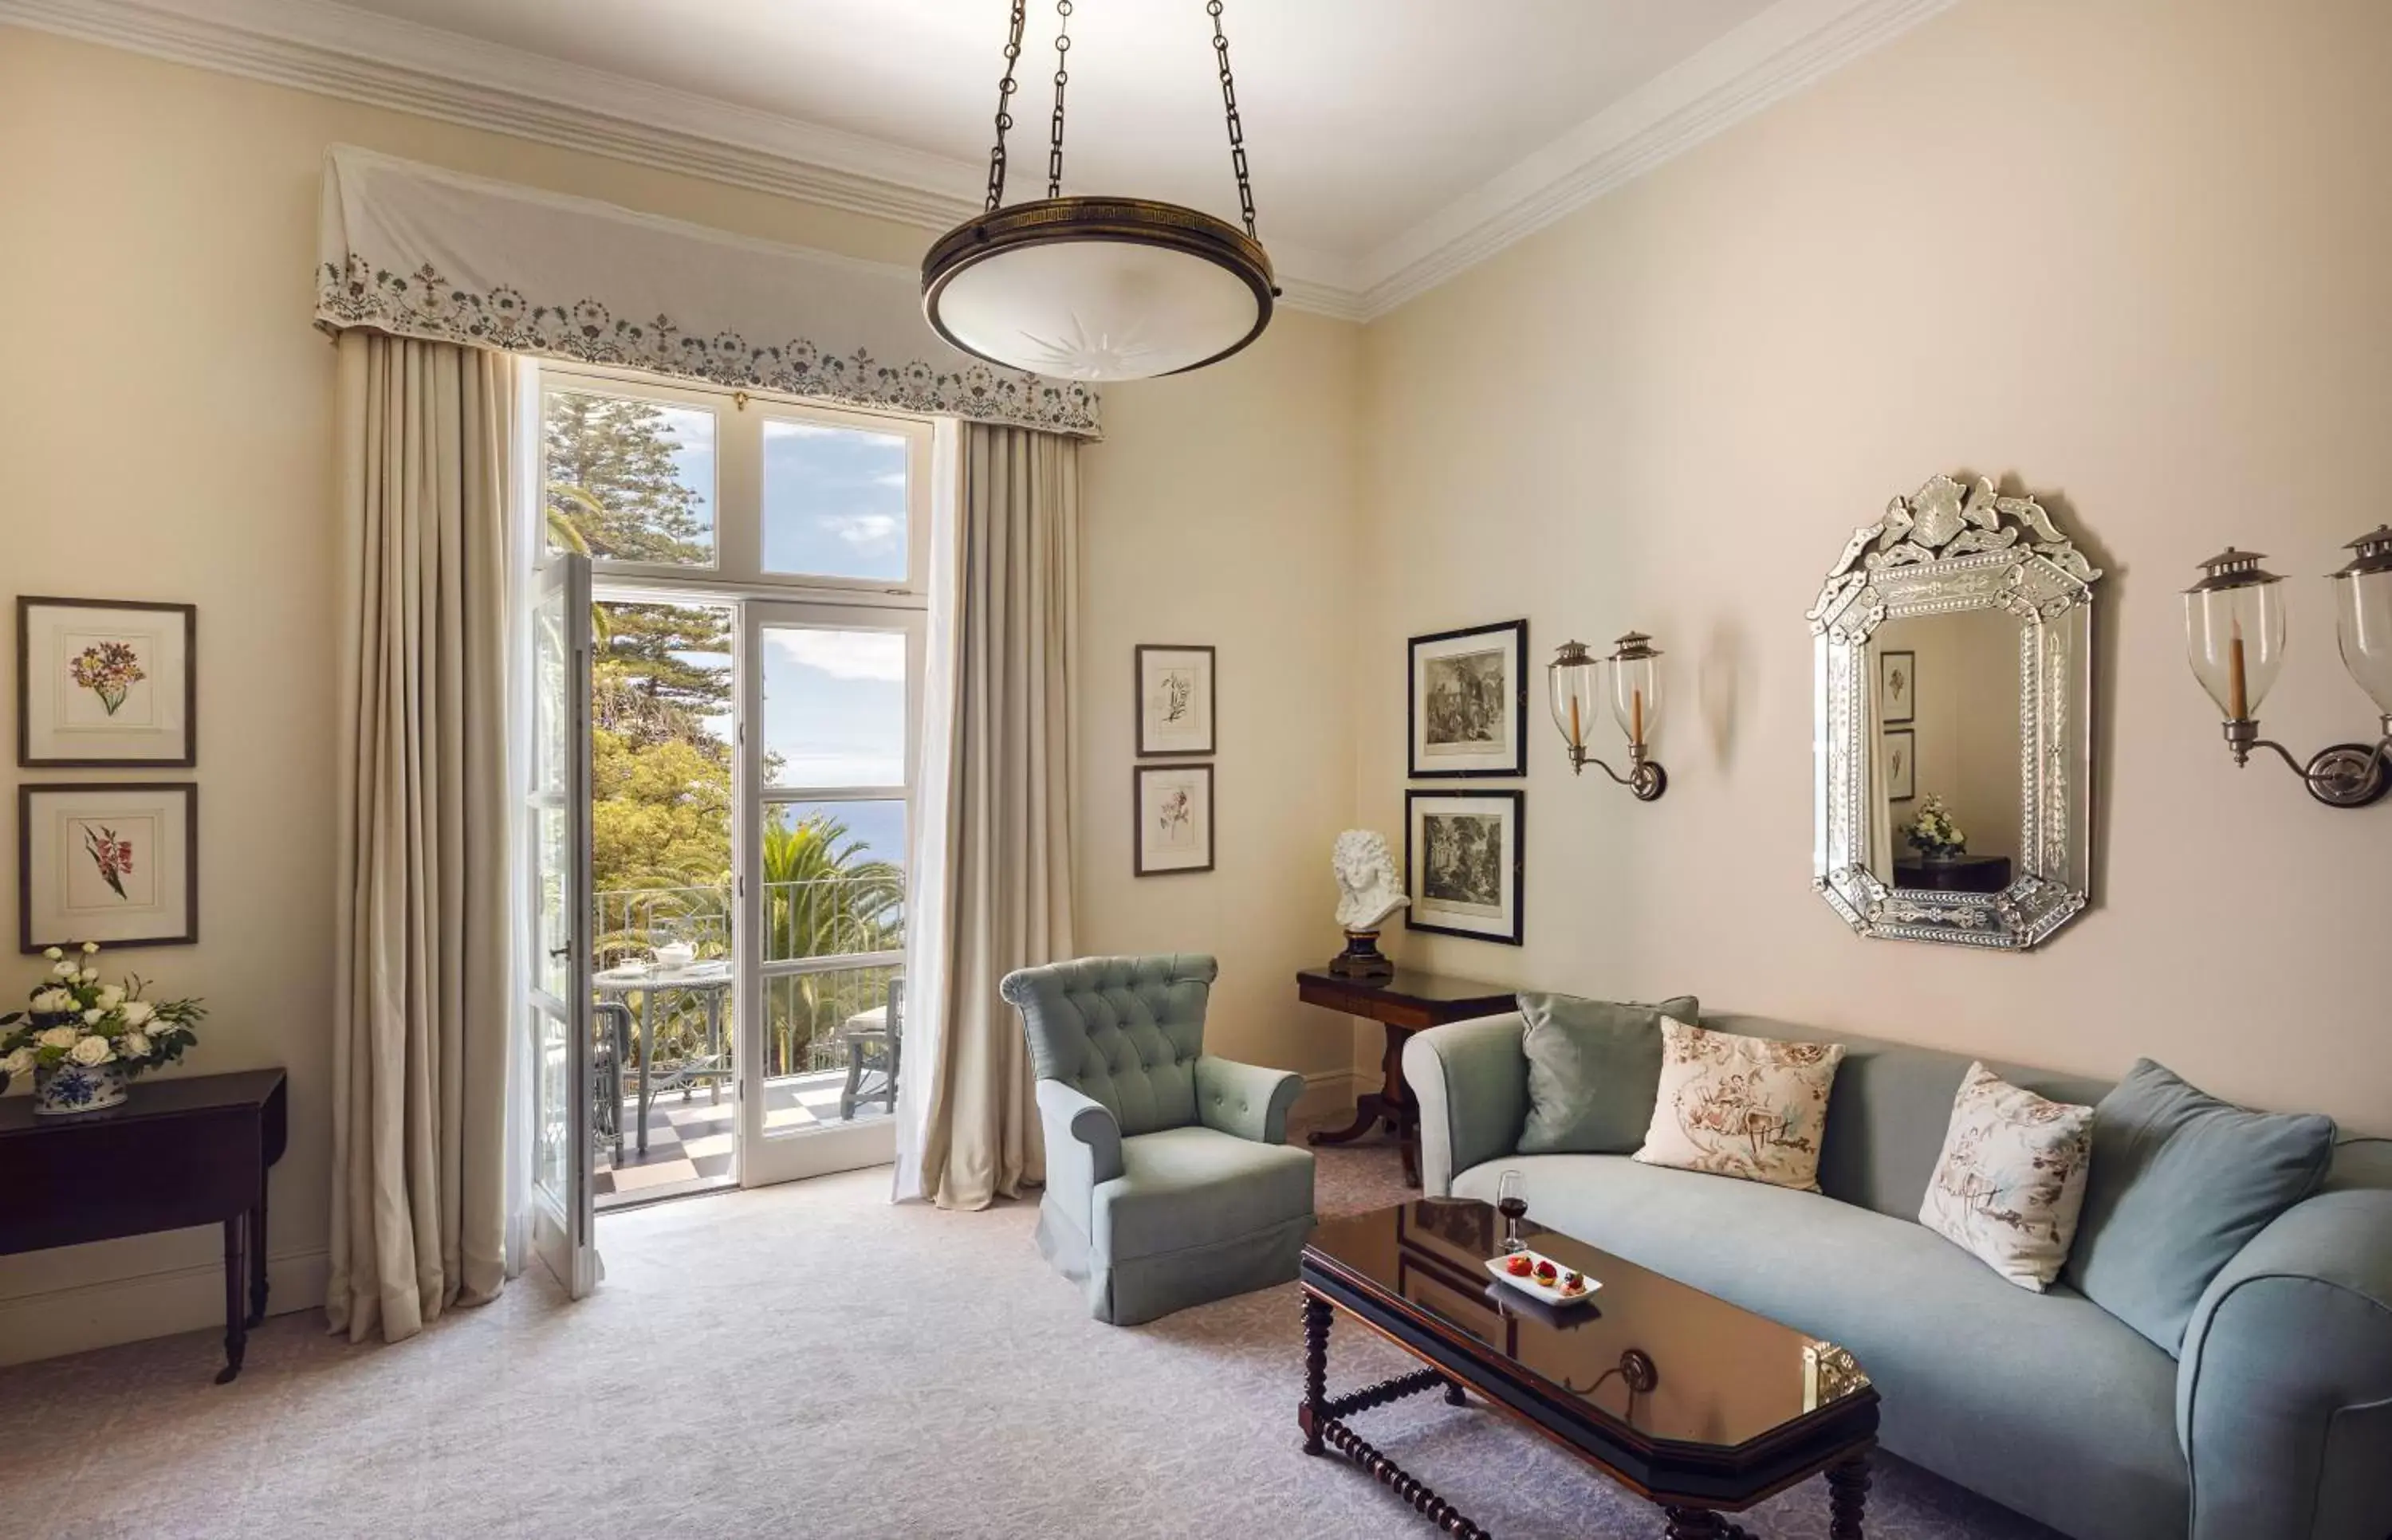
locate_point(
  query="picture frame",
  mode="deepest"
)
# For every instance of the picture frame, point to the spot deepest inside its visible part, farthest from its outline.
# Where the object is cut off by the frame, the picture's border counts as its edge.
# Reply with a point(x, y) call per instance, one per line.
point(1466, 701)
point(116, 863)
point(106, 683)
point(1897, 688)
point(1172, 809)
point(1463, 863)
point(1177, 701)
point(1900, 765)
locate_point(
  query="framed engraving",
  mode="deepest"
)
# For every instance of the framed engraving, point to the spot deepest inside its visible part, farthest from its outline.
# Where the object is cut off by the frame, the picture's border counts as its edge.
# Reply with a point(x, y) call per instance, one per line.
point(104, 683)
point(1467, 694)
point(1897, 684)
point(116, 864)
point(1175, 702)
point(1461, 855)
point(1175, 819)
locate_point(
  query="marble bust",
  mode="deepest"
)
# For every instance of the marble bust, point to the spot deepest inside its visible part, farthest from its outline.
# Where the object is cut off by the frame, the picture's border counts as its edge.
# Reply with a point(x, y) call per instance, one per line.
point(1369, 889)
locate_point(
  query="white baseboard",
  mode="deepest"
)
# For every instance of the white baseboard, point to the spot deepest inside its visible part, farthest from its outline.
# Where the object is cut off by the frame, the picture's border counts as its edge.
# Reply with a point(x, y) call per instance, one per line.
point(147, 1304)
point(1330, 1093)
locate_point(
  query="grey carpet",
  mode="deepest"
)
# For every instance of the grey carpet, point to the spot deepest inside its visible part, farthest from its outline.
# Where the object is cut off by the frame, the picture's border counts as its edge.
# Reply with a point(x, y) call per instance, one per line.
point(806, 1361)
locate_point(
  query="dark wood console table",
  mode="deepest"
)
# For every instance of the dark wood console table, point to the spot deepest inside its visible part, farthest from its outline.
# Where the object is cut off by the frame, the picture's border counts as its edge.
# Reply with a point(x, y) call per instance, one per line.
point(179, 1153)
point(1407, 1003)
point(1959, 874)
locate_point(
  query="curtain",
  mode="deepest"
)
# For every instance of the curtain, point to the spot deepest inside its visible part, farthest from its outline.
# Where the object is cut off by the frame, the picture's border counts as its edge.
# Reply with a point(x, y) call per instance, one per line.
point(998, 823)
point(422, 992)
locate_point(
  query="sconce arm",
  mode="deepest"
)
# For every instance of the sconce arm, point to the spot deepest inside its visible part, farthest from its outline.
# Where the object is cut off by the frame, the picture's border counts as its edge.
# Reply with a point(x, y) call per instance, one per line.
point(1645, 778)
point(2346, 775)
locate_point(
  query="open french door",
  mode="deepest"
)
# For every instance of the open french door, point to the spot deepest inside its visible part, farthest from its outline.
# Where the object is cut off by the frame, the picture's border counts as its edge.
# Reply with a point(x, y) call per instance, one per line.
point(557, 995)
point(830, 720)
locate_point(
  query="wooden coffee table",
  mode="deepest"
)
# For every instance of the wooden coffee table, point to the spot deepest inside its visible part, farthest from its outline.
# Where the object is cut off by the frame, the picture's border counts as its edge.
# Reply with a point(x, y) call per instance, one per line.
point(1683, 1399)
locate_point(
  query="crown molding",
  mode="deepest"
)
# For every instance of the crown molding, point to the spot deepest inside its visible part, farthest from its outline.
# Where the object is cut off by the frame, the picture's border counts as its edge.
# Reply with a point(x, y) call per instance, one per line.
point(382, 62)
point(1776, 54)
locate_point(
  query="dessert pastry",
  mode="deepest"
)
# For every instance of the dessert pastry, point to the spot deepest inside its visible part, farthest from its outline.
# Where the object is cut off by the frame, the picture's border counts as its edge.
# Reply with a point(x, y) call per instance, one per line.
point(1518, 1265)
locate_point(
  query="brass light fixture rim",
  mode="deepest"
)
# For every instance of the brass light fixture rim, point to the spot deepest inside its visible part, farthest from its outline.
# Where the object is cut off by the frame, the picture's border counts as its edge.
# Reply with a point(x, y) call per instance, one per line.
point(2374, 554)
point(1129, 220)
point(2231, 568)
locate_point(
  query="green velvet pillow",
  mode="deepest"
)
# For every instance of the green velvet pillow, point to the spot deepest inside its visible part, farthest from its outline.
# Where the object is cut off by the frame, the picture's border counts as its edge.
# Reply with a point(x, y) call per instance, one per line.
point(1594, 1069)
point(2179, 1182)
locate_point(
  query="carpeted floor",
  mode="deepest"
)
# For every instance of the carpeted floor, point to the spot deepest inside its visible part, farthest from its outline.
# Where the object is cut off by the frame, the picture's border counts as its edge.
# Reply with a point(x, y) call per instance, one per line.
point(807, 1360)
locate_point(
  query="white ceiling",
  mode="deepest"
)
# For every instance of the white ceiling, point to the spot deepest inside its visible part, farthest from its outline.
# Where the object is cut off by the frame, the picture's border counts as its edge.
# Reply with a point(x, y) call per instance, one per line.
point(1362, 117)
point(1392, 142)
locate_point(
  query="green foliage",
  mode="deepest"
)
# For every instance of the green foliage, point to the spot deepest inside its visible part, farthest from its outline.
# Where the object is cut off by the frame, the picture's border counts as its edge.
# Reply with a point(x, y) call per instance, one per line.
point(612, 477)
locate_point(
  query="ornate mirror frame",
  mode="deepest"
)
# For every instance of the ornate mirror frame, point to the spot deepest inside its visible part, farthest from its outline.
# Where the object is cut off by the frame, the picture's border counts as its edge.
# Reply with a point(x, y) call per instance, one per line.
point(1946, 550)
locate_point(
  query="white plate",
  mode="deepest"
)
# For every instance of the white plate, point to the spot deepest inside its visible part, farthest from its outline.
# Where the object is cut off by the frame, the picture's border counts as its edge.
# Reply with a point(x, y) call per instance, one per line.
point(1551, 1293)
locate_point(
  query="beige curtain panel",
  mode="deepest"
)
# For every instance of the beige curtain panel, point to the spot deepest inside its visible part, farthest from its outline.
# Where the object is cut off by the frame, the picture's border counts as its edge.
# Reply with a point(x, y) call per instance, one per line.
point(1009, 889)
point(422, 987)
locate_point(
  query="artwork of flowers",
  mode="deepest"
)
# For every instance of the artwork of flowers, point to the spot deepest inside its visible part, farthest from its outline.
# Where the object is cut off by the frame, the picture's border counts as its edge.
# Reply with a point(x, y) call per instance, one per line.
point(81, 1040)
point(105, 681)
point(111, 856)
point(1175, 700)
point(1175, 819)
point(111, 861)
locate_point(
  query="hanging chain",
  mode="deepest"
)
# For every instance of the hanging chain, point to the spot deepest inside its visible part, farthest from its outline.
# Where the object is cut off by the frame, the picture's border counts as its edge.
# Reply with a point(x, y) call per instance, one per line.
point(1004, 110)
point(1237, 129)
point(1062, 78)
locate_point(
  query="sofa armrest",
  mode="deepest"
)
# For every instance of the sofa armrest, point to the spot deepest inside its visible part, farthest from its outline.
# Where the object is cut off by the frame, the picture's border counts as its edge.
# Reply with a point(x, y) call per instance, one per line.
point(2284, 1385)
point(1472, 1081)
point(1245, 1099)
point(1083, 1146)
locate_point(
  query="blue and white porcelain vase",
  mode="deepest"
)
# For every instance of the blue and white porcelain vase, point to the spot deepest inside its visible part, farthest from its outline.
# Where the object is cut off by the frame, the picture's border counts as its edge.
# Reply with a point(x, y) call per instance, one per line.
point(72, 1087)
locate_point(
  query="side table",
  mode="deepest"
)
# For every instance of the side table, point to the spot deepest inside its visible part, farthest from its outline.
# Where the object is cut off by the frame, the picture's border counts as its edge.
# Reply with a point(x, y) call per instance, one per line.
point(1409, 1002)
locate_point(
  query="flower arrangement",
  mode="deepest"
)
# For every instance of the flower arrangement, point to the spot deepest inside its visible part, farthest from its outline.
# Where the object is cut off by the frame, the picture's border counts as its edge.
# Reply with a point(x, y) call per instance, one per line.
point(108, 669)
point(81, 1039)
point(1933, 833)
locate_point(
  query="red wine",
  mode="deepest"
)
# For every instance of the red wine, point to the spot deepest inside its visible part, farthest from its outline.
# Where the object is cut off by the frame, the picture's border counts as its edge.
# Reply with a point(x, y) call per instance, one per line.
point(1513, 1208)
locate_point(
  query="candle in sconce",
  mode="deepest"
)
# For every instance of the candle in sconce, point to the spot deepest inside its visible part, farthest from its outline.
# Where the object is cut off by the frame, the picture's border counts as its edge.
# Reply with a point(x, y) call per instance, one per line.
point(2238, 690)
point(1636, 719)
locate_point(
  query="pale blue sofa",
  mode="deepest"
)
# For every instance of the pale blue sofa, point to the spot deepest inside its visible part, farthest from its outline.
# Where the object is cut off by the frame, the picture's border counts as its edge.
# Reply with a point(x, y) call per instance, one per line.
point(2275, 1425)
point(1169, 1179)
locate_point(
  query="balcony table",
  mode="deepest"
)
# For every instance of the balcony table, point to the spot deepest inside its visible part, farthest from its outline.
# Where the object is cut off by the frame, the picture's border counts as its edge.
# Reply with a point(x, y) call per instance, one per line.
point(712, 980)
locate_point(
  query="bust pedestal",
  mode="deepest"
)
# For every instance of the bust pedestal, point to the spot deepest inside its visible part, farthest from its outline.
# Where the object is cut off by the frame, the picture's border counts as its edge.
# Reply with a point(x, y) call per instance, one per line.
point(1362, 958)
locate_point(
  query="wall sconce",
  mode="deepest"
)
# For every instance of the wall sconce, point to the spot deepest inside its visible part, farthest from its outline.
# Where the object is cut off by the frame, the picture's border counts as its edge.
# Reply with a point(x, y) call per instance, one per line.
point(2234, 635)
point(1636, 705)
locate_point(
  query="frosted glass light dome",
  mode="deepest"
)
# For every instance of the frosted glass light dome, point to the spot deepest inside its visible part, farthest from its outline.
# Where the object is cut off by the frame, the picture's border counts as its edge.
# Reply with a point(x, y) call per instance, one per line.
point(1097, 288)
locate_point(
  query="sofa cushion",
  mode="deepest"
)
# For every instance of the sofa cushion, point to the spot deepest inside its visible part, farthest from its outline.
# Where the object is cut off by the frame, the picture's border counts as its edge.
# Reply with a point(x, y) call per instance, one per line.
point(1750, 1107)
point(1184, 1186)
point(2042, 1402)
point(2011, 1182)
point(1594, 1067)
point(2180, 1182)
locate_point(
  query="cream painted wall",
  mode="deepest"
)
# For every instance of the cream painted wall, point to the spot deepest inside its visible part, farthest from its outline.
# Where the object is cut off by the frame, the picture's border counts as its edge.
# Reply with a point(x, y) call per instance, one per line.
point(2130, 254)
point(1221, 511)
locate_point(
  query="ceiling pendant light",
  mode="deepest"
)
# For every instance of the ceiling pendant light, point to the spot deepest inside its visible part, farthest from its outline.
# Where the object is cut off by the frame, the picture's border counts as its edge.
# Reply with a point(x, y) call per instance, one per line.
point(1099, 289)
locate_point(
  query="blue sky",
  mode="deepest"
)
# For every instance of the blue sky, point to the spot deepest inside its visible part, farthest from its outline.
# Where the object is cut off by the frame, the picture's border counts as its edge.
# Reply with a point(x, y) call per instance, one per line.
point(834, 501)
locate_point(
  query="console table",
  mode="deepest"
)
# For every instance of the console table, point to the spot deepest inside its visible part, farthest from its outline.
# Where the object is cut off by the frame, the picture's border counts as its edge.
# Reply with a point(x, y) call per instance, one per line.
point(179, 1153)
point(1409, 1002)
point(1959, 874)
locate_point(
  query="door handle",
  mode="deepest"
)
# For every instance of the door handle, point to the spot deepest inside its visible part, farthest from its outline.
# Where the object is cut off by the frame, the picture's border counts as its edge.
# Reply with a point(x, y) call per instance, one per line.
point(564, 951)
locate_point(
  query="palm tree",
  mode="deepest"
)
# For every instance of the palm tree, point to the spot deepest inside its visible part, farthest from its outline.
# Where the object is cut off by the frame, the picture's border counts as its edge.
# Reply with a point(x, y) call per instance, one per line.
point(823, 899)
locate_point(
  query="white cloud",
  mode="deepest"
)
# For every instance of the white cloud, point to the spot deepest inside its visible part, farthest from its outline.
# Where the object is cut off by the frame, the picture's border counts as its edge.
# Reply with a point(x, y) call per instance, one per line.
point(844, 655)
point(894, 478)
point(865, 531)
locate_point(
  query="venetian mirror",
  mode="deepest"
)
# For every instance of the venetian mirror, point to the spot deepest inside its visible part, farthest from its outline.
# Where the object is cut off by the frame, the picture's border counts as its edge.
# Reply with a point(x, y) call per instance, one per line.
point(1956, 723)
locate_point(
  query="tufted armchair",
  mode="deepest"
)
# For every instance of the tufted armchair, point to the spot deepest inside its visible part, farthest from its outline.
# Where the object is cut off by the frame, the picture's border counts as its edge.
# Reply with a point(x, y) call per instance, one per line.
point(1169, 1180)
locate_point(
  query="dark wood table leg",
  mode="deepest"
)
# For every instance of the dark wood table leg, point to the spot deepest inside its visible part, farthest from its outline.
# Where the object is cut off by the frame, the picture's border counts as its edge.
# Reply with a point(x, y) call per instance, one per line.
point(257, 1257)
point(1695, 1524)
point(1848, 1489)
point(236, 1318)
point(1379, 1109)
point(1314, 1414)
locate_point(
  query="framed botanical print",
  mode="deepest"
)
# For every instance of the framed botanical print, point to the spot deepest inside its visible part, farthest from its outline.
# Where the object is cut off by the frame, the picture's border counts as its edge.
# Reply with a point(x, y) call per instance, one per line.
point(1897, 682)
point(1174, 700)
point(1175, 819)
point(1468, 699)
point(117, 863)
point(1900, 766)
point(1462, 852)
point(105, 682)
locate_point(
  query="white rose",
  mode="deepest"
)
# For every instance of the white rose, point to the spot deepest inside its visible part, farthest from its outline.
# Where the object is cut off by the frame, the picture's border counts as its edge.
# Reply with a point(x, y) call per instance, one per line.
point(53, 954)
point(58, 1037)
point(113, 996)
point(92, 1051)
point(136, 1012)
point(89, 947)
point(133, 1045)
point(51, 1001)
point(94, 1016)
point(18, 1063)
point(88, 975)
point(64, 970)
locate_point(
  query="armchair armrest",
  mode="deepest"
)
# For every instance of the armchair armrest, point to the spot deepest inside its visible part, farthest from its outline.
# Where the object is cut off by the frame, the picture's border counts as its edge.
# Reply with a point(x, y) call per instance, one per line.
point(2284, 1385)
point(1472, 1081)
point(1245, 1099)
point(1083, 1146)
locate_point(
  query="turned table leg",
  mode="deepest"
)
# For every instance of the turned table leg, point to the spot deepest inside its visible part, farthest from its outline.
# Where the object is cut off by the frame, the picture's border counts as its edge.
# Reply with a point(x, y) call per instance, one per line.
point(236, 1342)
point(1695, 1524)
point(1848, 1489)
point(1314, 1411)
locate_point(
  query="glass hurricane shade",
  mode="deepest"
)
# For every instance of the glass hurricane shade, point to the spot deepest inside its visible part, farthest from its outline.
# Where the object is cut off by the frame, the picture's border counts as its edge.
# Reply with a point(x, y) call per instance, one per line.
point(1574, 683)
point(1097, 289)
point(1575, 693)
point(2235, 634)
point(2365, 616)
point(1636, 689)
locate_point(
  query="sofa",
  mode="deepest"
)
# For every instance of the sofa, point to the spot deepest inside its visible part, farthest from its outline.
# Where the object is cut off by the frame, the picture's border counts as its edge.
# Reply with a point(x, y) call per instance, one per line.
point(2274, 1424)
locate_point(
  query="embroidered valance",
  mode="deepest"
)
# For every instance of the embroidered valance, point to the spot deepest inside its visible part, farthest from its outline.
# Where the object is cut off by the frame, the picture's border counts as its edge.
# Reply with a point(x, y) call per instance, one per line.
point(421, 252)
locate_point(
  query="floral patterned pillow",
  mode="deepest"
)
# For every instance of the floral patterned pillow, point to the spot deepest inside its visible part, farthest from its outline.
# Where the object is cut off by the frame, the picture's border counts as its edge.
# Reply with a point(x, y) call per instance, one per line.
point(2011, 1178)
point(1750, 1107)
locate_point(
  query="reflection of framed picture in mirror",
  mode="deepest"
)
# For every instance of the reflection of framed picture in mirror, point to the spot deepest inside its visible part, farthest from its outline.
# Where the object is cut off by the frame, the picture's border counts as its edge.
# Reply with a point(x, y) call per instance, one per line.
point(1468, 697)
point(105, 681)
point(1462, 853)
point(1174, 700)
point(114, 863)
point(1175, 819)
point(1897, 682)
point(1900, 766)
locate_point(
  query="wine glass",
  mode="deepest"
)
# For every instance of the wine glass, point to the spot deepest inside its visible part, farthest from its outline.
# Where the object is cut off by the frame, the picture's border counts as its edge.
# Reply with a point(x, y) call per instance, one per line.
point(1511, 1202)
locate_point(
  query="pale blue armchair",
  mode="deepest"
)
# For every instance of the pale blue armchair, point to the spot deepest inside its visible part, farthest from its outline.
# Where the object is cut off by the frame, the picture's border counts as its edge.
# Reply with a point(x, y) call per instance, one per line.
point(1169, 1180)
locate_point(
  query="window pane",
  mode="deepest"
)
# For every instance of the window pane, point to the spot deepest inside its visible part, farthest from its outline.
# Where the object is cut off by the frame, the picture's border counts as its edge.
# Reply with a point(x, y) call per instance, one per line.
point(629, 480)
point(834, 501)
point(834, 706)
point(834, 879)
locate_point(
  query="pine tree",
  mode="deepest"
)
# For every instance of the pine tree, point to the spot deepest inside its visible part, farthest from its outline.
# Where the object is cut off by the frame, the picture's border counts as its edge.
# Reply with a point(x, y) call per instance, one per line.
point(612, 477)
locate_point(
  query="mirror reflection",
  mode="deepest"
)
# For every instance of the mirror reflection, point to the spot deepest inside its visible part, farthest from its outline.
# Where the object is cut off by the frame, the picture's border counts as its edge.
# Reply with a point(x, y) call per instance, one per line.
point(1947, 782)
